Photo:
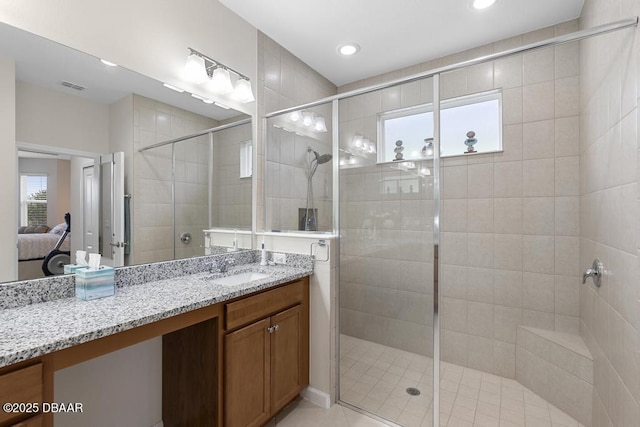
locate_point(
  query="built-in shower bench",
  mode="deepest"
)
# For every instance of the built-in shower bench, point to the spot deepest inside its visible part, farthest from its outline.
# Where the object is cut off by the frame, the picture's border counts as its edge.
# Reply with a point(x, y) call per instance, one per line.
point(557, 366)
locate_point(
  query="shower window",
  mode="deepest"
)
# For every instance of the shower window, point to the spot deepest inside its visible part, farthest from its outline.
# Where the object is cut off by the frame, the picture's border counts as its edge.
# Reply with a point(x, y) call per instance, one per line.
point(407, 134)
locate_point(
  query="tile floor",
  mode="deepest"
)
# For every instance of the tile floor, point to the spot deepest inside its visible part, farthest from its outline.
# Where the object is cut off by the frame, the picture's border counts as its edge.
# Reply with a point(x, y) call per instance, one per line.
point(375, 377)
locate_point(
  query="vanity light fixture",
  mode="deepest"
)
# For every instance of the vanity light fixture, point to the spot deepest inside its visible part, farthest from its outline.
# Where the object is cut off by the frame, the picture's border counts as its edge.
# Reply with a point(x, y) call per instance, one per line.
point(221, 81)
point(172, 87)
point(200, 68)
point(307, 118)
point(348, 49)
point(483, 4)
point(108, 63)
point(195, 69)
point(242, 91)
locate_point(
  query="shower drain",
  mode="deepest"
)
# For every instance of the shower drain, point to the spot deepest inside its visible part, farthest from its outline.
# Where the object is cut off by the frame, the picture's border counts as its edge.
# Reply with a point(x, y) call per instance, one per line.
point(413, 391)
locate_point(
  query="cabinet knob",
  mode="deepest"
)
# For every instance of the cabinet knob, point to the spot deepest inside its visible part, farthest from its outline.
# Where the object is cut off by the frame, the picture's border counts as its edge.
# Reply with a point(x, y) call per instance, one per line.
point(276, 327)
point(273, 328)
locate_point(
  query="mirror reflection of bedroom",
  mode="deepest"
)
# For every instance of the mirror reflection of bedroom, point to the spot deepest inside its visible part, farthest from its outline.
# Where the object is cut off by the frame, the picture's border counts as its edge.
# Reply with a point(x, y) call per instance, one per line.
point(46, 194)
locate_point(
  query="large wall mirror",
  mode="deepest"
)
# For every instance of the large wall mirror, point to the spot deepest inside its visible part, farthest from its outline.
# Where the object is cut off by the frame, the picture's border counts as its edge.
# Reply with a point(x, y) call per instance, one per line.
point(82, 124)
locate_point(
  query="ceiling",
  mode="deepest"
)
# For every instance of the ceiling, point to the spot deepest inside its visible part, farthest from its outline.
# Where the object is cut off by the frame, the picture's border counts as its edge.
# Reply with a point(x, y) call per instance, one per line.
point(45, 63)
point(392, 33)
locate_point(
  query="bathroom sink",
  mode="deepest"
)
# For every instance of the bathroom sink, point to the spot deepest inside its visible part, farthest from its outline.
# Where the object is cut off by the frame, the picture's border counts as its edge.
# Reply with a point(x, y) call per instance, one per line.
point(238, 279)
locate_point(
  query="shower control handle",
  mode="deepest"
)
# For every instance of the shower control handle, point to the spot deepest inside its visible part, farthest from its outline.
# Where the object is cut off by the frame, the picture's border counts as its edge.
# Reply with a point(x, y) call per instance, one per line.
point(596, 271)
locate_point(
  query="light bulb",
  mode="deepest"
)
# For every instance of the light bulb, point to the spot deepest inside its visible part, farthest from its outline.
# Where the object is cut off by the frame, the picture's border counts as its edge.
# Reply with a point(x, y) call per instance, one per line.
point(320, 125)
point(294, 116)
point(194, 69)
point(243, 92)
point(352, 161)
point(307, 118)
point(221, 81)
point(342, 162)
point(357, 141)
point(483, 4)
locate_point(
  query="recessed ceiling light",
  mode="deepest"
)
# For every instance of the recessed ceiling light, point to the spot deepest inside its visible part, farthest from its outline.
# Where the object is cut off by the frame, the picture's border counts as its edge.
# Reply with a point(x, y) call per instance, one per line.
point(109, 63)
point(483, 4)
point(348, 49)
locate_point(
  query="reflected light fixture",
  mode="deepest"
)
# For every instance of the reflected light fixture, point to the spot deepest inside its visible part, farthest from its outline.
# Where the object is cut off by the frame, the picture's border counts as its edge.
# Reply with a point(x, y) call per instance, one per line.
point(294, 116)
point(320, 125)
point(109, 63)
point(482, 4)
point(308, 119)
point(200, 68)
point(172, 87)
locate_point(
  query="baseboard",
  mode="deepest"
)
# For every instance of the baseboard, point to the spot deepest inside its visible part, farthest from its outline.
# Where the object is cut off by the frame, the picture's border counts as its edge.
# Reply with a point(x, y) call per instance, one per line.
point(317, 397)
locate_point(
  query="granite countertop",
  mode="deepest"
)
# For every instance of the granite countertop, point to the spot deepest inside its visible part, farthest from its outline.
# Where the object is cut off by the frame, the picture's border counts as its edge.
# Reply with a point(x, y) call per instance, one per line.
point(36, 329)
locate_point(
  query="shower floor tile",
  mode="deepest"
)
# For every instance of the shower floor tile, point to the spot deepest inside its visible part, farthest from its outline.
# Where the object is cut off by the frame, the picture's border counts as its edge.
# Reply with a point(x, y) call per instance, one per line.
point(375, 377)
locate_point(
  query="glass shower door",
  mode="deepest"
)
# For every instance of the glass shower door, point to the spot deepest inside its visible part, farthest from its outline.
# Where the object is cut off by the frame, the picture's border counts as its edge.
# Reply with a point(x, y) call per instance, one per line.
point(386, 254)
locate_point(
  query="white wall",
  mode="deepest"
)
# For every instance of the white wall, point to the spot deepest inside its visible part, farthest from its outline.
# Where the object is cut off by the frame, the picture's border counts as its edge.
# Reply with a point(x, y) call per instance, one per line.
point(146, 36)
point(57, 119)
point(57, 196)
point(9, 167)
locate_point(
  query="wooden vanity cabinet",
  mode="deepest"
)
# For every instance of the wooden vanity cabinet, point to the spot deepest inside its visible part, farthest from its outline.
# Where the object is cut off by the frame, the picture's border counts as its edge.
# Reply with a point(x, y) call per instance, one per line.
point(24, 385)
point(239, 369)
point(266, 362)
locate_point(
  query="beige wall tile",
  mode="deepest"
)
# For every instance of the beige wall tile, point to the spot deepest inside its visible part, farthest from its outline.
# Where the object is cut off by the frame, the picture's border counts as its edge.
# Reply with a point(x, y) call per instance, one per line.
point(508, 250)
point(508, 288)
point(508, 215)
point(539, 215)
point(538, 102)
point(539, 292)
point(480, 215)
point(538, 140)
point(538, 66)
point(538, 178)
point(508, 179)
point(538, 254)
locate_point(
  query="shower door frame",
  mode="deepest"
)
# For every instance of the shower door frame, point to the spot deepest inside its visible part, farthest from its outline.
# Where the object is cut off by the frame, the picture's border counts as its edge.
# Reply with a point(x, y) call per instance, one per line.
point(435, 74)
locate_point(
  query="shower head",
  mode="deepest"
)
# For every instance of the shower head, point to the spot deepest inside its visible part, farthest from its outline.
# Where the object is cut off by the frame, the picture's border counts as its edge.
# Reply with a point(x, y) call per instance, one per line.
point(323, 158)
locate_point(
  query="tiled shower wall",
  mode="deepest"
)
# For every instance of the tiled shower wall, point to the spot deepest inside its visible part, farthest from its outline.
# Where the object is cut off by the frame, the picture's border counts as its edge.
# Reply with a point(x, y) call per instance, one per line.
point(286, 191)
point(610, 315)
point(510, 221)
point(232, 194)
point(285, 81)
point(152, 203)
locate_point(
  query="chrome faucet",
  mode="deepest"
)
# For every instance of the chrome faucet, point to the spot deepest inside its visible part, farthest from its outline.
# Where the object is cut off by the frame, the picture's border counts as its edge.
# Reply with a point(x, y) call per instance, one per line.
point(221, 266)
point(596, 271)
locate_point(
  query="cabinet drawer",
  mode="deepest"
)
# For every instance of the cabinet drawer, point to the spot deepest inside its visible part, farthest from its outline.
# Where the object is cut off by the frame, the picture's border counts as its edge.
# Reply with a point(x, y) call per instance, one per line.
point(21, 386)
point(248, 309)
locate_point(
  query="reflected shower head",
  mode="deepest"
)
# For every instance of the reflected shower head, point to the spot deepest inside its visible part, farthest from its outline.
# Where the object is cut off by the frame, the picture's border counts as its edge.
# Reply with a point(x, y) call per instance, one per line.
point(323, 158)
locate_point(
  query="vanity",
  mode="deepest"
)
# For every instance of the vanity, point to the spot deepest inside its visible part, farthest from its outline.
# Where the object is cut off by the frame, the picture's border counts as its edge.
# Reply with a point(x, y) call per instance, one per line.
point(233, 354)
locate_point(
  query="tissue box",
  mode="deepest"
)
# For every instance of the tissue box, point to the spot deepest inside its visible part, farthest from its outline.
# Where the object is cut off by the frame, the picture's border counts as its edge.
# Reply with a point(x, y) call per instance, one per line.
point(93, 284)
point(72, 268)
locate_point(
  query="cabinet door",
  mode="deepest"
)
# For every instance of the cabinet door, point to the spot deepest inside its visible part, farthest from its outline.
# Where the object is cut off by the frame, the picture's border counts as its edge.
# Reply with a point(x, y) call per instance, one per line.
point(247, 376)
point(286, 357)
point(37, 421)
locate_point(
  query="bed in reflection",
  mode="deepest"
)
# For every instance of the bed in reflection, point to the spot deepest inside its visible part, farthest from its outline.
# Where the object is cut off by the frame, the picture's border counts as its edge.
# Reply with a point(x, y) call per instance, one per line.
point(34, 244)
